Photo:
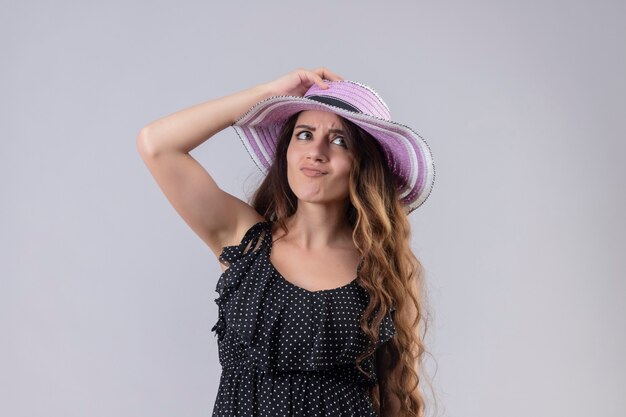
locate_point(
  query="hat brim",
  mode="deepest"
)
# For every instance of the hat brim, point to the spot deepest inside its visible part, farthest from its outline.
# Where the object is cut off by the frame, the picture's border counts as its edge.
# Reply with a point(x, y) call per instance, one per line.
point(410, 157)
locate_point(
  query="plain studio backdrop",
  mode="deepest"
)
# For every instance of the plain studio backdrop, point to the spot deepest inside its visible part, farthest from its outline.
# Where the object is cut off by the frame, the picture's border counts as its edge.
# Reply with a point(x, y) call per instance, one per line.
point(107, 296)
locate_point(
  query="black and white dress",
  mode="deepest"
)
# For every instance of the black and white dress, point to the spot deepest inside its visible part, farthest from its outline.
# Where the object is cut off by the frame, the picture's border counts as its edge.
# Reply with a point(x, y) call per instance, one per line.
point(285, 350)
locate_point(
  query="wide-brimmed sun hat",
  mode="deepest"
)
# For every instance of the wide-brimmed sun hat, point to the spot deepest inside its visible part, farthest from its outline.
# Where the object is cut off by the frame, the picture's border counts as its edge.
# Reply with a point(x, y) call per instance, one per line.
point(407, 153)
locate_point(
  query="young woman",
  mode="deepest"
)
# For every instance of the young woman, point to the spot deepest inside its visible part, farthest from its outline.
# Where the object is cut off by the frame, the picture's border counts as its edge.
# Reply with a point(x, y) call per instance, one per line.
point(321, 300)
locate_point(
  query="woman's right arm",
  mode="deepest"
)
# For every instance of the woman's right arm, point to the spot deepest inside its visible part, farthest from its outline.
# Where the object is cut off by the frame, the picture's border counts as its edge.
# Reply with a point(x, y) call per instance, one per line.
point(217, 217)
point(185, 130)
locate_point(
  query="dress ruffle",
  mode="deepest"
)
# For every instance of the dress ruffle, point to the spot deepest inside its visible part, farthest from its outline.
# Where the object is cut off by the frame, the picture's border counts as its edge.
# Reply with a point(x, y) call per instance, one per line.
point(254, 315)
point(240, 259)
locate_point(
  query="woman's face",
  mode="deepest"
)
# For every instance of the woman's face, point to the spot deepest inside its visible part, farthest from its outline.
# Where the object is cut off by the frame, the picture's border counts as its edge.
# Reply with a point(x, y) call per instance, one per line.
point(318, 141)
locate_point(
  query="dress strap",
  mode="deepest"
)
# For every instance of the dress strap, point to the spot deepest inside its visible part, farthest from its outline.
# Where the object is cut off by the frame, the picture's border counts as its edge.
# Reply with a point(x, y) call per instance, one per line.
point(248, 243)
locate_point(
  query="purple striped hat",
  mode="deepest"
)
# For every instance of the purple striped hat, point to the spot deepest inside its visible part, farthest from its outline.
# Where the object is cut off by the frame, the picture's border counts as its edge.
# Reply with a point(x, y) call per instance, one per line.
point(408, 155)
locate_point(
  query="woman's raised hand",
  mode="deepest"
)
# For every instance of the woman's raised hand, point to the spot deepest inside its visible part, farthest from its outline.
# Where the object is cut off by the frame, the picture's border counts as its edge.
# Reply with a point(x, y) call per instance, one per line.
point(297, 82)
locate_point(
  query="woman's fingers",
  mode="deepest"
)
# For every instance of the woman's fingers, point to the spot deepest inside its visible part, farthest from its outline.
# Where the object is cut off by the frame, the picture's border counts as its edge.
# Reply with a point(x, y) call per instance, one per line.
point(318, 80)
point(327, 74)
point(300, 80)
point(320, 74)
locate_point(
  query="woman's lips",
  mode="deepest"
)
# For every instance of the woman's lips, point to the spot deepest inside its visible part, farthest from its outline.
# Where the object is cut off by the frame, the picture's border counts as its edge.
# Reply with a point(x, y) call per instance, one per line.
point(312, 172)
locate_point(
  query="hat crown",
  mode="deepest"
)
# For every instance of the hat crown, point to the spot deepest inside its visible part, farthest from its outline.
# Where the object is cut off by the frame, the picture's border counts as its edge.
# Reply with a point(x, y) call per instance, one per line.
point(351, 96)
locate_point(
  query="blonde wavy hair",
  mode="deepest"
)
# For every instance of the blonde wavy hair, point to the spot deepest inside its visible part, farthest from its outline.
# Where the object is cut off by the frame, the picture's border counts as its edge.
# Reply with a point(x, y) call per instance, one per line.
point(390, 272)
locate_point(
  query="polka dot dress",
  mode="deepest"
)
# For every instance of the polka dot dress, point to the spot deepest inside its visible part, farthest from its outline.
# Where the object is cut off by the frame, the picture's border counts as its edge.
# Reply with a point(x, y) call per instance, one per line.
point(285, 350)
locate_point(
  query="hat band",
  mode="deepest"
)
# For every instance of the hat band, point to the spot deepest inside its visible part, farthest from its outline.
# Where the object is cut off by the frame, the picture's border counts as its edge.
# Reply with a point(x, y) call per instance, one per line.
point(335, 102)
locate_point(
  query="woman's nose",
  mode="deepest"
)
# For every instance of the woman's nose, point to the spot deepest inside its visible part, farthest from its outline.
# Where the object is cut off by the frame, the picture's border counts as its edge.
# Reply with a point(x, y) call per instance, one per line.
point(318, 149)
point(317, 155)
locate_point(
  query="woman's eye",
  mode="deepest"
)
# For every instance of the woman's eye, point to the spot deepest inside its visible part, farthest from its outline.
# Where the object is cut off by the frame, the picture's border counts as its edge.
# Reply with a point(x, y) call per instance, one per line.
point(343, 141)
point(302, 135)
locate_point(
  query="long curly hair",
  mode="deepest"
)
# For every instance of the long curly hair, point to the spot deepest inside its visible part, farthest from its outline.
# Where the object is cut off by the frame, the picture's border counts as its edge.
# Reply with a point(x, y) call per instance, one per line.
point(389, 271)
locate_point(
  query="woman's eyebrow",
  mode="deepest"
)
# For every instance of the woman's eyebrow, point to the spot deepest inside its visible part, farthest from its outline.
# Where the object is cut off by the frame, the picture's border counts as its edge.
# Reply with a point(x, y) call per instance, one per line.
point(312, 128)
